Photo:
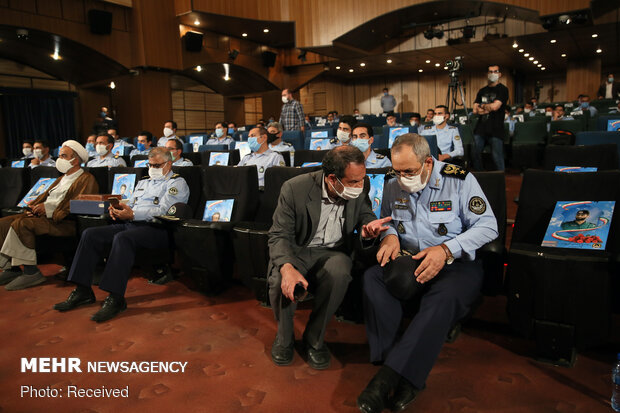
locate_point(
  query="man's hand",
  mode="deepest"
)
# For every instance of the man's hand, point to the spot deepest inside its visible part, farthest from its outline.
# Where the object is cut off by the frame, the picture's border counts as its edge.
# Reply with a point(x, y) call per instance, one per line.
point(290, 278)
point(35, 161)
point(124, 214)
point(388, 250)
point(443, 157)
point(36, 210)
point(433, 262)
point(376, 227)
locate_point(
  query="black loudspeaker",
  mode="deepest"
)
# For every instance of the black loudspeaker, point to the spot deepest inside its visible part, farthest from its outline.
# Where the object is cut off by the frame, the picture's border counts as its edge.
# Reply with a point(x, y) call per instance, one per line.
point(100, 21)
point(269, 59)
point(555, 343)
point(193, 41)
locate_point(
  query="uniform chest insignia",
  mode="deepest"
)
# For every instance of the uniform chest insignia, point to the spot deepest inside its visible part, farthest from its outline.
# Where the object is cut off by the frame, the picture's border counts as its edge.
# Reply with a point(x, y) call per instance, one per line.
point(457, 138)
point(172, 210)
point(261, 170)
point(402, 200)
point(437, 180)
point(441, 206)
point(379, 156)
point(428, 127)
point(282, 163)
point(442, 230)
point(156, 200)
point(454, 171)
point(173, 191)
point(400, 228)
point(477, 205)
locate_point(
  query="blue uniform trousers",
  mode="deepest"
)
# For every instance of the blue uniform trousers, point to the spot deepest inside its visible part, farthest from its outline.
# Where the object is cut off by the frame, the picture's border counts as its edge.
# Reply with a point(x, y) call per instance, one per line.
point(445, 299)
point(125, 239)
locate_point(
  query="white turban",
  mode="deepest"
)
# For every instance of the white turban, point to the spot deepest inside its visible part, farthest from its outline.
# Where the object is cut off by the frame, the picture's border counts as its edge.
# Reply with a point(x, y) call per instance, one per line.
point(78, 149)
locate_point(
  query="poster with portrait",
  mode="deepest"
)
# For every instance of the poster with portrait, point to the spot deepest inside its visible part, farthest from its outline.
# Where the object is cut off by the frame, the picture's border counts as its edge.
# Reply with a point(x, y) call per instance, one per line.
point(36, 190)
point(218, 211)
point(320, 144)
point(141, 163)
point(18, 164)
point(196, 141)
point(319, 134)
point(579, 224)
point(396, 132)
point(118, 149)
point(376, 192)
point(218, 158)
point(123, 185)
point(571, 169)
point(613, 125)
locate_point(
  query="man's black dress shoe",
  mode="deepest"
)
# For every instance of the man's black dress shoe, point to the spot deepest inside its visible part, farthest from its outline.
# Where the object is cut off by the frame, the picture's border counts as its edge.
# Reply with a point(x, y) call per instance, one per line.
point(111, 307)
point(375, 396)
point(404, 394)
point(318, 359)
point(78, 297)
point(282, 355)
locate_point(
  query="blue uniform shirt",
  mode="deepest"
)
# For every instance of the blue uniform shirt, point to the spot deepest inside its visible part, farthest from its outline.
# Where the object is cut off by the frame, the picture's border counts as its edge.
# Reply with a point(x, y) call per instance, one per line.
point(284, 147)
point(448, 139)
point(153, 197)
point(226, 140)
point(162, 141)
point(182, 162)
point(48, 162)
point(376, 160)
point(262, 161)
point(451, 209)
point(109, 160)
point(138, 152)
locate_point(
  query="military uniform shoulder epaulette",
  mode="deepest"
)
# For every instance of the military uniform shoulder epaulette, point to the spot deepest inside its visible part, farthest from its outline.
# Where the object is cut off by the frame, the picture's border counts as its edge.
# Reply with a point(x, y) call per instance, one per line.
point(287, 143)
point(428, 126)
point(145, 177)
point(175, 176)
point(454, 171)
point(379, 156)
point(452, 127)
point(116, 156)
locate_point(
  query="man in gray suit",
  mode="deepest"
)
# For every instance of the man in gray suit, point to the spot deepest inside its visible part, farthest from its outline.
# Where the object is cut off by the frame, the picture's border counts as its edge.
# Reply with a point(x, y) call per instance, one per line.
point(310, 246)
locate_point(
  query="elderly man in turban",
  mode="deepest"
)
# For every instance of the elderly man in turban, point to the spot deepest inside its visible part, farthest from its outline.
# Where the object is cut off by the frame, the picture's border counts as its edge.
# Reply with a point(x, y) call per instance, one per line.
point(45, 215)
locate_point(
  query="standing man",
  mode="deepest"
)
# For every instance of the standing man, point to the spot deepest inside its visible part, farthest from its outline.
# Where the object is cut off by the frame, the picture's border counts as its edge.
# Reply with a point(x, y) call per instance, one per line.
point(610, 89)
point(439, 217)
point(261, 155)
point(153, 196)
point(490, 106)
point(448, 138)
point(292, 115)
point(310, 246)
point(41, 155)
point(388, 102)
point(362, 137)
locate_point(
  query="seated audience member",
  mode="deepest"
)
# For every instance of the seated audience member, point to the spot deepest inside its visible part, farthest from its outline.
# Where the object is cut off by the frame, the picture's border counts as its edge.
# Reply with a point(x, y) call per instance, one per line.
point(362, 138)
point(390, 120)
point(275, 139)
point(232, 128)
point(414, 119)
point(145, 139)
point(91, 141)
point(105, 157)
point(46, 215)
point(549, 110)
point(261, 123)
point(170, 132)
point(261, 155)
point(584, 105)
point(343, 133)
point(429, 116)
point(41, 154)
point(534, 102)
point(321, 217)
point(330, 119)
point(441, 270)
point(528, 109)
point(519, 110)
point(27, 150)
point(153, 196)
point(616, 110)
point(117, 139)
point(219, 136)
point(559, 114)
point(357, 115)
point(175, 146)
point(448, 136)
point(307, 122)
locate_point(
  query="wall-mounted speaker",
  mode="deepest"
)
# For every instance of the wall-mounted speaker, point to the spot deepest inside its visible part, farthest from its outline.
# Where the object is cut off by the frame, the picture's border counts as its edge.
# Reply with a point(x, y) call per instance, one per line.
point(100, 21)
point(193, 41)
point(269, 59)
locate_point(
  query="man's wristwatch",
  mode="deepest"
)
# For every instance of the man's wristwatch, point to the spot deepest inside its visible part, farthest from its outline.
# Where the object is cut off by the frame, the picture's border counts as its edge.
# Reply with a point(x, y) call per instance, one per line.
point(449, 256)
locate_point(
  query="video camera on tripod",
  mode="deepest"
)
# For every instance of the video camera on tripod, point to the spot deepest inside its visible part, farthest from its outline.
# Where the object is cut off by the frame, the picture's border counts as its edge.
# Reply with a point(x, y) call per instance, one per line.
point(455, 87)
point(455, 65)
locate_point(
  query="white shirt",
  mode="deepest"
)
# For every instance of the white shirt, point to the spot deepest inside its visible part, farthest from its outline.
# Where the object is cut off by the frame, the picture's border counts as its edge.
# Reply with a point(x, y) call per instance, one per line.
point(608, 90)
point(57, 194)
point(329, 231)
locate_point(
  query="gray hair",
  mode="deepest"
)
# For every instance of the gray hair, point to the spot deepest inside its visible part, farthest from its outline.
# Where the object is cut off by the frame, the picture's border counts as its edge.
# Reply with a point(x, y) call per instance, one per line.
point(418, 144)
point(276, 125)
point(162, 152)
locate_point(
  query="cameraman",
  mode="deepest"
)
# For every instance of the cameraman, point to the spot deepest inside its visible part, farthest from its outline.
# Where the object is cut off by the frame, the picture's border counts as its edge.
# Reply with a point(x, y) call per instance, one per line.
point(490, 105)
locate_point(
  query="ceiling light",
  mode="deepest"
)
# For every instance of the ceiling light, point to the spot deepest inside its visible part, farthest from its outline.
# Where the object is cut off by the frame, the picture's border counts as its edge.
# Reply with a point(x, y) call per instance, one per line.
point(362, 64)
point(599, 50)
point(552, 41)
point(226, 78)
point(244, 35)
point(526, 55)
point(112, 85)
point(199, 68)
point(563, 55)
point(265, 30)
point(521, 50)
point(531, 58)
point(428, 61)
point(437, 65)
point(337, 67)
point(542, 68)
point(445, 68)
point(595, 35)
point(56, 56)
point(539, 65)
point(197, 22)
point(350, 70)
point(535, 62)
point(420, 70)
point(515, 45)
point(389, 61)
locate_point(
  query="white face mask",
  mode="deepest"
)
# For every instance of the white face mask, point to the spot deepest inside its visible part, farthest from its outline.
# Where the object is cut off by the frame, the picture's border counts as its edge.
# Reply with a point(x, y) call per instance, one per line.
point(343, 136)
point(412, 184)
point(168, 132)
point(413, 123)
point(63, 165)
point(284, 99)
point(27, 151)
point(101, 149)
point(548, 113)
point(527, 110)
point(438, 119)
point(493, 77)
point(348, 192)
point(156, 173)
point(38, 153)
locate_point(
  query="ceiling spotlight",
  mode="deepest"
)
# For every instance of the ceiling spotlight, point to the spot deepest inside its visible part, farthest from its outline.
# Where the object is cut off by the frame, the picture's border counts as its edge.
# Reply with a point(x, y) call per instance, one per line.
point(265, 30)
point(521, 50)
point(389, 61)
point(362, 64)
point(420, 70)
point(515, 45)
point(445, 68)
point(599, 50)
point(543, 68)
point(437, 65)
point(563, 55)
point(526, 55)
point(244, 35)
point(226, 78)
point(531, 58)
point(535, 62)
point(112, 85)
point(539, 65)
point(564, 19)
point(595, 35)
point(428, 61)
point(552, 41)
point(350, 70)
point(197, 22)
point(433, 33)
point(22, 34)
point(337, 67)
point(56, 56)
point(199, 68)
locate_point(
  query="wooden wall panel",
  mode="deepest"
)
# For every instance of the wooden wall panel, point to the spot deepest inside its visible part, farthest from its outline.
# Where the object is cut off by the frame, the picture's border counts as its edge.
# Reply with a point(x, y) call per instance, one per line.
point(178, 100)
point(51, 8)
point(50, 84)
point(15, 81)
point(179, 117)
point(195, 120)
point(583, 77)
point(194, 101)
point(73, 10)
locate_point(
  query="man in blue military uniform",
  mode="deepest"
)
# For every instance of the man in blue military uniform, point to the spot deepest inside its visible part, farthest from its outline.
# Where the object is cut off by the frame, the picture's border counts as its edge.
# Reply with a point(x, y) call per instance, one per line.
point(145, 139)
point(175, 146)
point(91, 141)
point(153, 196)
point(448, 136)
point(27, 150)
point(105, 157)
point(117, 139)
point(170, 132)
point(41, 154)
point(441, 216)
point(261, 155)
point(343, 133)
point(362, 138)
point(276, 143)
point(220, 137)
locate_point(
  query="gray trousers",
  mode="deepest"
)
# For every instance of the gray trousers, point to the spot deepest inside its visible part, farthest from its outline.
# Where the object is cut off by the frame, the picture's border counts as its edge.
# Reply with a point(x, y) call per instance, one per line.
point(328, 273)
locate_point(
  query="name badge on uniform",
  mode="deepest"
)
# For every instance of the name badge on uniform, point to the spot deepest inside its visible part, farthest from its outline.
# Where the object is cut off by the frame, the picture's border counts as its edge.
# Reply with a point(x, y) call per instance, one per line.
point(400, 228)
point(401, 203)
point(156, 200)
point(441, 206)
point(442, 230)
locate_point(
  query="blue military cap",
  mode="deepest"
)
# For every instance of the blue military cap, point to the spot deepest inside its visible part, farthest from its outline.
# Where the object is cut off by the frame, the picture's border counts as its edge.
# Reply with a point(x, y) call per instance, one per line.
point(399, 278)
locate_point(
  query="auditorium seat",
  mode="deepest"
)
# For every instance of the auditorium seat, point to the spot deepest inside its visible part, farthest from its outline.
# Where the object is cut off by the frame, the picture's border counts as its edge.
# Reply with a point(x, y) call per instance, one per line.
point(528, 143)
point(303, 156)
point(604, 156)
point(195, 157)
point(14, 184)
point(602, 121)
point(210, 148)
point(233, 156)
point(295, 138)
point(598, 138)
point(573, 126)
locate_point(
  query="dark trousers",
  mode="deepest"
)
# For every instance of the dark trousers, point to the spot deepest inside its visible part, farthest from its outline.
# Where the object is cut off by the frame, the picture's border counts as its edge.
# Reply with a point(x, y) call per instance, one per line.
point(125, 239)
point(446, 299)
point(328, 273)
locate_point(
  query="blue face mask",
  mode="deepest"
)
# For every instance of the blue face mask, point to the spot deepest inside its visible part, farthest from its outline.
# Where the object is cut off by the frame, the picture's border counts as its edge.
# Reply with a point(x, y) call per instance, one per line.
point(141, 146)
point(361, 144)
point(585, 105)
point(90, 147)
point(253, 143)
point(219, 132)
point(102, 114)
point(231, 131)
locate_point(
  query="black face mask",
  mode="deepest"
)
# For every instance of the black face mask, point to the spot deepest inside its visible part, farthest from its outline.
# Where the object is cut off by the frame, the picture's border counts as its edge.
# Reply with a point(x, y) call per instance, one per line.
point(272, 137)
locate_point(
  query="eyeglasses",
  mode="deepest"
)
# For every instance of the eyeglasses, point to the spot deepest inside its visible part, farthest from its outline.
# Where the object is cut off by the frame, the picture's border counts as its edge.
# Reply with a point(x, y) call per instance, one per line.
point(407, 174)
point(157, 165)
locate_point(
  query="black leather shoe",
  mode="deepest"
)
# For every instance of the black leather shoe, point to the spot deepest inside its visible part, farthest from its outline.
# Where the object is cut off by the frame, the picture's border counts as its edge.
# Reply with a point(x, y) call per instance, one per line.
point(282, 355)
point(111, 308)
point(318, 359)
point(77, 298)
point(374, 398)
point(403, 396)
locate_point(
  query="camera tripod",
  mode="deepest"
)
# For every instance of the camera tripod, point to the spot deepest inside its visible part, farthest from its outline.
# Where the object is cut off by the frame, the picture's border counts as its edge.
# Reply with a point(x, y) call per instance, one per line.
point(455, 89)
